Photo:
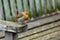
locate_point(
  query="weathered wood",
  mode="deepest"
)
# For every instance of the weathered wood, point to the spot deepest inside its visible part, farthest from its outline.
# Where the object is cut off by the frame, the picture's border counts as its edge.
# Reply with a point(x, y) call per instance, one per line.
point(19, 3)
point(41, 34)
point(51, 36)
point(39, 29)
point(32, 8)
point(8, 36)
point(47, 20)
point(2, 33)
point(11, 36)
point(43, 21)
point(1, 11)
point(7, 12)
point(25, 5)
point(38, 7)
point(10, 24)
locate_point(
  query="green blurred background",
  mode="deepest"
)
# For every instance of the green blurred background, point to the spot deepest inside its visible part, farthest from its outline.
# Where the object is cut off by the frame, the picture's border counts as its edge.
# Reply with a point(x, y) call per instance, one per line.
point(30, 14)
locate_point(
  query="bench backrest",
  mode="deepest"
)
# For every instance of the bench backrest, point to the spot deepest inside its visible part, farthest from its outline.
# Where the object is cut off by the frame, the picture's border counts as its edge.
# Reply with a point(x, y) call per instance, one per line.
point(34, 7)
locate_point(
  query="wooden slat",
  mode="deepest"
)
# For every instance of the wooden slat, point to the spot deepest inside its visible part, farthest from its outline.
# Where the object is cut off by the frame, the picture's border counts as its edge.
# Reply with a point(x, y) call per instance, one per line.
point(2, 33)
point(12, 2)
point(44, 6)
point(43, 21)
point(49, 5)
point(10, 37)
point(54, 4)
point(25, 5)
point(41, 34)
point(1, 11)
point(39, 29)
point(6, 6)
point(19, 3)
point(38, 7)
point(10, 24)
point(32, 8)
point(51, 36)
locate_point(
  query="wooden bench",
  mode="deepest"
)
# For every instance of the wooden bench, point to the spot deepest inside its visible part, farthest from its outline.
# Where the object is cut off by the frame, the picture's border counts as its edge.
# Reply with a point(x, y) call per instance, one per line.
point(41, 10)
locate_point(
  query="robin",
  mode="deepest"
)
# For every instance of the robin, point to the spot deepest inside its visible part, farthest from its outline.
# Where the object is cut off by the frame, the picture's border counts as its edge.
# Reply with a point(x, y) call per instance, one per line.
point(21, 17)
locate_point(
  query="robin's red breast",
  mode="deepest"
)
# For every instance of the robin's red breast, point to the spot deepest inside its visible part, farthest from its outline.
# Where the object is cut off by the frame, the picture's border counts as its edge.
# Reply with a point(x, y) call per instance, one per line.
point(26, 16)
